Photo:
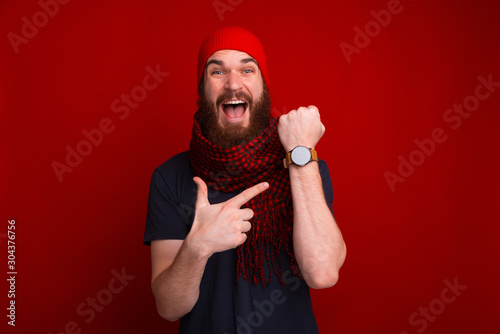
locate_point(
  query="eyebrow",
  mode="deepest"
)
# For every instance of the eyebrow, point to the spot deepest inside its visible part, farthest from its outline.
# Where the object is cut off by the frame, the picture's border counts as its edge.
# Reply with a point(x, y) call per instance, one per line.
point(248, 60)
point(221, 63)
point(214, 61)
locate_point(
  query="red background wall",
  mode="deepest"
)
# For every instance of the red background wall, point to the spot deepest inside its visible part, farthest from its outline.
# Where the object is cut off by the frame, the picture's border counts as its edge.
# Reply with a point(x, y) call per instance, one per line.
point(439, 225)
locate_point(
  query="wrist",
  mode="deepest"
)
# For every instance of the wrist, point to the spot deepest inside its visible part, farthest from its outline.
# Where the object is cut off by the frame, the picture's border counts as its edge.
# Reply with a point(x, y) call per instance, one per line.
point(196, 249)
point(300, 156)
point(289, 148)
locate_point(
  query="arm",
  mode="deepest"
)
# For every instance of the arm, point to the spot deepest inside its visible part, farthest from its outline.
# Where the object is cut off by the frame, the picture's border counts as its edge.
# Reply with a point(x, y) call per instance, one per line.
point(178, 266)
point(318, 244)
point(176, 275)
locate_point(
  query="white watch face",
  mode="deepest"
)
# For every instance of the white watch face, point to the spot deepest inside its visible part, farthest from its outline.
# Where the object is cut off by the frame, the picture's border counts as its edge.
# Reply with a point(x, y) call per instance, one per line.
point(301, 155)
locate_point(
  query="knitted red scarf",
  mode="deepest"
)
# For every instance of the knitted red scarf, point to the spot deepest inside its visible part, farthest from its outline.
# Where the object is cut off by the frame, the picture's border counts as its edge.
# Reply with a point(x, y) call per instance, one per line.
point(238, 168)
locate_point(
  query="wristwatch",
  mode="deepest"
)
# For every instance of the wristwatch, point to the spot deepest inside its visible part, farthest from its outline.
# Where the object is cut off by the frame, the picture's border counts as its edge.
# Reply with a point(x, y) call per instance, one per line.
point(300, 156)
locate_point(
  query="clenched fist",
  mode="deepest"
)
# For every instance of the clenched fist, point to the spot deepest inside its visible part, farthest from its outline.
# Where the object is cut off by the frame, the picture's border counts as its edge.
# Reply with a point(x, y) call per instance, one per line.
point(300, 127)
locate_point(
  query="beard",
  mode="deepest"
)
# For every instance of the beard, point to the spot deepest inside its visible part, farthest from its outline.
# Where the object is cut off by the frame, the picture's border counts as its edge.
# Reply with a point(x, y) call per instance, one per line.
point(233, 134)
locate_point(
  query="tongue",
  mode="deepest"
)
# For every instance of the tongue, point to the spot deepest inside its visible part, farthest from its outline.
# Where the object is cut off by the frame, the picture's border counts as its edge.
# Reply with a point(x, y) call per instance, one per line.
point(234, 111)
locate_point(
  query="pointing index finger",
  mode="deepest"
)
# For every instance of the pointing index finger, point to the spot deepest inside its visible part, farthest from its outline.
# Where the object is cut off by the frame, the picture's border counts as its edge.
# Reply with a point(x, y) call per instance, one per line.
point(248, 194)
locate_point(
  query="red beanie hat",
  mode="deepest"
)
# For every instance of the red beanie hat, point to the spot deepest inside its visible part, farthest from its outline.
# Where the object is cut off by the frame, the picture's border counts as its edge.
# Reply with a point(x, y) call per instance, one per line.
point(232, 38)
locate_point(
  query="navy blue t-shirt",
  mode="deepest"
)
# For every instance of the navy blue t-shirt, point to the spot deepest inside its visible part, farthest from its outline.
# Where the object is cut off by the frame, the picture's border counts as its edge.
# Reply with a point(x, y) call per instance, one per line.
point(225, 306)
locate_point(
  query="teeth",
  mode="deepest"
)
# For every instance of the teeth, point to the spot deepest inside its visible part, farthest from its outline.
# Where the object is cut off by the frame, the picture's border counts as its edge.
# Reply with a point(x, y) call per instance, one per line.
point(235, 102)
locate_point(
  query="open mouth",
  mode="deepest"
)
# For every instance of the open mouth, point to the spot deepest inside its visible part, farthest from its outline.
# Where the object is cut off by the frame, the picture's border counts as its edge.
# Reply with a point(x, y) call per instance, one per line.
point(234, 110)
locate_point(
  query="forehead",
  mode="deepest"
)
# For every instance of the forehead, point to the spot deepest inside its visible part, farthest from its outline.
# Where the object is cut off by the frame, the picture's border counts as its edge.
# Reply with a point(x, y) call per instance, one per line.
point(229, 55)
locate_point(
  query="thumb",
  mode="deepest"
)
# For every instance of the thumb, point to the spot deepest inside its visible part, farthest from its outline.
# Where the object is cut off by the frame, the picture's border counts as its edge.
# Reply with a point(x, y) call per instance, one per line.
point(202, 195)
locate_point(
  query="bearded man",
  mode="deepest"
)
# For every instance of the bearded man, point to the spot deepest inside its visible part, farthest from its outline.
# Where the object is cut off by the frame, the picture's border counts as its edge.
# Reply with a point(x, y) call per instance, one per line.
point(241, 225)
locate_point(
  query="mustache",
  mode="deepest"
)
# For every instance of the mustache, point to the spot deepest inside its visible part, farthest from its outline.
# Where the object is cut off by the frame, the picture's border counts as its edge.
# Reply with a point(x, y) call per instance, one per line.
point(229, 95)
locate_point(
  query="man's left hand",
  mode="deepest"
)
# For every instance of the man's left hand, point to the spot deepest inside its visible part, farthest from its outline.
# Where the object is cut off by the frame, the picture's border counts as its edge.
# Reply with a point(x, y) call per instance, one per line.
point(300, 127)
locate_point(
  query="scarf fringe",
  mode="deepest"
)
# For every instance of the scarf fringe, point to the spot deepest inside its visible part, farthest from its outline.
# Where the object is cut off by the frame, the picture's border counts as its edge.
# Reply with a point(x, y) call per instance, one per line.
point(265, 244)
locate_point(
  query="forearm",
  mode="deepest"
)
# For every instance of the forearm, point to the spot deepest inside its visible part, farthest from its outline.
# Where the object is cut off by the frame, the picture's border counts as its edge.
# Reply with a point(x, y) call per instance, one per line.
point(318, 243)
point(176, 289)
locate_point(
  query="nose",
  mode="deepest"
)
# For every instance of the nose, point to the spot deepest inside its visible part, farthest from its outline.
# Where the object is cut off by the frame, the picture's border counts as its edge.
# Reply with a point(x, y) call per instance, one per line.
point(234, 81)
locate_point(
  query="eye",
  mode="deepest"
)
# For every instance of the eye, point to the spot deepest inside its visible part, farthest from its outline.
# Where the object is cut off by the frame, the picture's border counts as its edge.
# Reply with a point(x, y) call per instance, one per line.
point(217, 72)
point(248, 70)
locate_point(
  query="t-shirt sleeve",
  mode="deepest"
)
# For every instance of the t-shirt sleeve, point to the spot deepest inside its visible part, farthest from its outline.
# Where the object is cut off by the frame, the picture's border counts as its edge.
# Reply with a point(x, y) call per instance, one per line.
point(165, 219)
point(327, 183)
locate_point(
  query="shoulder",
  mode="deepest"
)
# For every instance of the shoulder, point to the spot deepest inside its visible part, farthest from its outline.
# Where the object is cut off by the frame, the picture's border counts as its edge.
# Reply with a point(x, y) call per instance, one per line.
point(178, 162)
point(175, 168)
point(174, 175)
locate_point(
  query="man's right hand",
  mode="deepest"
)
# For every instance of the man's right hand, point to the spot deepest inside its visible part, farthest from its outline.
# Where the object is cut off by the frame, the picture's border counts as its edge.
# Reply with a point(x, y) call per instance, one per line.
point(222, 226)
